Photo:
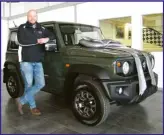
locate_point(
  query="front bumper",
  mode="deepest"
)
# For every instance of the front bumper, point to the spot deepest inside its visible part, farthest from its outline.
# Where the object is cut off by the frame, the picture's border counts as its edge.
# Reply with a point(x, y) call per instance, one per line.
point(129, 92)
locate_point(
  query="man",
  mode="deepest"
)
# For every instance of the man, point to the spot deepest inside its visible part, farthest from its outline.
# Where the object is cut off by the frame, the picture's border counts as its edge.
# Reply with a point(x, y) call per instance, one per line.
point(32, 38)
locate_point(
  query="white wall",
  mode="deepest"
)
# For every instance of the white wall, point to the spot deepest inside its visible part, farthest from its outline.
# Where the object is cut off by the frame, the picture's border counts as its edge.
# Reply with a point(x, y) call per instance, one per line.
point(17, 8)
point(2, 5)
point(92, 12)
point(6, 8)
point(33, 5)
point(4, 38)
point(159, 67)
point(54, 3)
point(17, 21)
point(63, 14)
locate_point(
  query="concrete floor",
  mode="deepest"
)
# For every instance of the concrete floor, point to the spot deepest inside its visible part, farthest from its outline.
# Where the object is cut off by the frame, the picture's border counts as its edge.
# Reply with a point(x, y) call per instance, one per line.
point(57, 118)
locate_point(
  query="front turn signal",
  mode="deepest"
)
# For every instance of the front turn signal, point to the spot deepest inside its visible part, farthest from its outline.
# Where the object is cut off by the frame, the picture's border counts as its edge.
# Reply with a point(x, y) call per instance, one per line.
point(118, 64)
point(67, 65)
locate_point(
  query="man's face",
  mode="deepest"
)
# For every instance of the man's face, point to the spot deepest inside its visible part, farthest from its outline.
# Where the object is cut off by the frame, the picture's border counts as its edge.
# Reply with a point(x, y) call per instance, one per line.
point(32, 17)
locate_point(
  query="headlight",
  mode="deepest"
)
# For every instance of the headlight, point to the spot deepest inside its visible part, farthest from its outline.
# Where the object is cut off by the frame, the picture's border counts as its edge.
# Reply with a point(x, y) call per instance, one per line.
point(125, 68)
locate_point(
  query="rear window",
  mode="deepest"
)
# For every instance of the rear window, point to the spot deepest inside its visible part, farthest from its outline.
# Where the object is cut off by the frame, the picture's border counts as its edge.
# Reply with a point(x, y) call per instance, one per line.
point(12, 41)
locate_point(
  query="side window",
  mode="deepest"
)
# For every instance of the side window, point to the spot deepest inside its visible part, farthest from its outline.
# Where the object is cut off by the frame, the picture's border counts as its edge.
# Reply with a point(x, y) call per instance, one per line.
point(13, 41)
point(69, 39)
point(51, 29)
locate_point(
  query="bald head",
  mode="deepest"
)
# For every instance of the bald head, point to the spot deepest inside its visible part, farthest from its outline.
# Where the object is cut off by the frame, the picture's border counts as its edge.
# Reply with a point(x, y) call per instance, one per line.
point(32, 16)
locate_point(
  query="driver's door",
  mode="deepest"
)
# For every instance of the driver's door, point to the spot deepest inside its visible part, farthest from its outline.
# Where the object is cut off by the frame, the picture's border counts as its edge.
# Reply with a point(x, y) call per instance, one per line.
point(53, 67)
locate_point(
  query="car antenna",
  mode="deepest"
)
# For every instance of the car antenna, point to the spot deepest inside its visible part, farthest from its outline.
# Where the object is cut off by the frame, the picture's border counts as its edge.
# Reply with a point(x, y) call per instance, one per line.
point(14, 24)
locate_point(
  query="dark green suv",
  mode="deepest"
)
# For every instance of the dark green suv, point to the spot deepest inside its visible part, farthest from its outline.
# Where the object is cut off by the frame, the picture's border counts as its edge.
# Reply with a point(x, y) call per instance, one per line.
point(90, 72)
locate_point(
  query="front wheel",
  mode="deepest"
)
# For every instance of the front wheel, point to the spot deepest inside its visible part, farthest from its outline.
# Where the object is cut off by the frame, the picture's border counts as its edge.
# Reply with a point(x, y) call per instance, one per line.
point(90, 106)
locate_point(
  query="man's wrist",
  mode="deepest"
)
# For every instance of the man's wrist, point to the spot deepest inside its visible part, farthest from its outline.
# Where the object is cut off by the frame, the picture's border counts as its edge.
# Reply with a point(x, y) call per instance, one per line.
point(47, 39)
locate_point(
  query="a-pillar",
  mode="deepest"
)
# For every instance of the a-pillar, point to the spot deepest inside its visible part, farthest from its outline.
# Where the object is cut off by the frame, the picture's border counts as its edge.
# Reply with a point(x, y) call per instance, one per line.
point(137, 23)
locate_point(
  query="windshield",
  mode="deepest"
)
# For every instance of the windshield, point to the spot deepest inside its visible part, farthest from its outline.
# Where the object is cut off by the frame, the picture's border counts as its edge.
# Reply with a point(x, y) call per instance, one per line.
point(73, 33)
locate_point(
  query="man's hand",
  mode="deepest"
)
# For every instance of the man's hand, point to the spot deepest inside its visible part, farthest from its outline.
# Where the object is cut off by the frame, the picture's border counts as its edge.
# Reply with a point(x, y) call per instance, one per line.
point(43, 40)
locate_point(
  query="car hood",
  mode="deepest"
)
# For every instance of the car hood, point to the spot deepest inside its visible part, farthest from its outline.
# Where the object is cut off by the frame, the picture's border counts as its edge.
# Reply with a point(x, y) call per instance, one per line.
point(101, 48)
point(99, 52)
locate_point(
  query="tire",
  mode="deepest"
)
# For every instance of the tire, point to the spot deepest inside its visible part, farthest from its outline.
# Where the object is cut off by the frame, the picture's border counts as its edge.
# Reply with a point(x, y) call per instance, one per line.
point(85, 87)
point(13, 85)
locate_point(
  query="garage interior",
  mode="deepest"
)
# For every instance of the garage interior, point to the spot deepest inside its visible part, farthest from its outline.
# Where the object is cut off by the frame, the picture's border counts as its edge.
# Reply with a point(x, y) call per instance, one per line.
point(56, 117)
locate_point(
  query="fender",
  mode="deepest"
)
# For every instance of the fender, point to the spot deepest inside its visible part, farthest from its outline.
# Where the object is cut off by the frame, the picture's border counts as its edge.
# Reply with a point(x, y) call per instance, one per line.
point(14, 67)
point(96, 72)
point(91, 70)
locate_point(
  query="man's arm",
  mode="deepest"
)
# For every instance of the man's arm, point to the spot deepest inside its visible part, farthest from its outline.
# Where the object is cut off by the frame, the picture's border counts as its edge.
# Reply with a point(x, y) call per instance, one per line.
point(25, 39)
point(48, 34)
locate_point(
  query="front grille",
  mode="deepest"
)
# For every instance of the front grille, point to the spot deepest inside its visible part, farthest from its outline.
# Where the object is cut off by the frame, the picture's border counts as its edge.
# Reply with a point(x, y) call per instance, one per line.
point(135, 68)
point(148, 82)
point(137, 89)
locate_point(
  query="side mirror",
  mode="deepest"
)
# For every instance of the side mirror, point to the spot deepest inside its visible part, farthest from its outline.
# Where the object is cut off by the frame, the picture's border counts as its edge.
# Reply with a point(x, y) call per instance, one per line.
point(51, 46)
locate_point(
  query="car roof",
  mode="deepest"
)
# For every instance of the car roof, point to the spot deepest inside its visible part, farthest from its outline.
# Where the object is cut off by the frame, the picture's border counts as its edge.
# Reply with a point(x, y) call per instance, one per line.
point(59, 22)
